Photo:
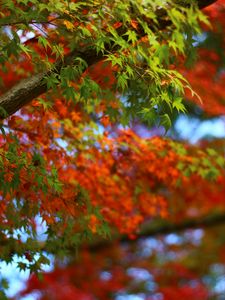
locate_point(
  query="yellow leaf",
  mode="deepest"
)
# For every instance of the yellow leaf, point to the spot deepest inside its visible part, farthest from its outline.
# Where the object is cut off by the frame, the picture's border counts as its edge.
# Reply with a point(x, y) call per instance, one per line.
point(68, 25)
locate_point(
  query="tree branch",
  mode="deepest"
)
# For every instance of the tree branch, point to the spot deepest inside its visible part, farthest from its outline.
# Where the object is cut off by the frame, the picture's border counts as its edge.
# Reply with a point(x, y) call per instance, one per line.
point(156, 228)
point(30, 88)
point(152, 229)
point(166, 227)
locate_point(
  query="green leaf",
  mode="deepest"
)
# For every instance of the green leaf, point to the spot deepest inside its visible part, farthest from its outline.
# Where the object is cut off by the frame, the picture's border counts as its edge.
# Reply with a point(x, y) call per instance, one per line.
point(177, 103)
point(132, 36)
point(165, 122)
point(122, 81)
point(43, 41)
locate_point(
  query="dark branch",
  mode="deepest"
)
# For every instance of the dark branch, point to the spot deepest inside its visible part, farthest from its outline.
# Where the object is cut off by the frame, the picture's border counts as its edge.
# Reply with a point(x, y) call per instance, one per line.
point(28, 89)
point(152, 229)
point(166, 227)
point(162, 227)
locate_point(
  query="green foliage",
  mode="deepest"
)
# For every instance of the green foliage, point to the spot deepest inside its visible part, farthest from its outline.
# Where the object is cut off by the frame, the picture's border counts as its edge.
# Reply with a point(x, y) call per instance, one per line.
point(146, 61)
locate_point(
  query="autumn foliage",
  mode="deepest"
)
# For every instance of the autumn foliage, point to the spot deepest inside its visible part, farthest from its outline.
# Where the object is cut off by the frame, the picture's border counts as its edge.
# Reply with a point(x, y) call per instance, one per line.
point(89, 147)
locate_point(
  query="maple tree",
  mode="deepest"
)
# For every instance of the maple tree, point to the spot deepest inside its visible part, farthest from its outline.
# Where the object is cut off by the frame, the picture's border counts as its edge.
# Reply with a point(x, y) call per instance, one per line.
point(76, 80)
